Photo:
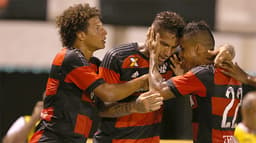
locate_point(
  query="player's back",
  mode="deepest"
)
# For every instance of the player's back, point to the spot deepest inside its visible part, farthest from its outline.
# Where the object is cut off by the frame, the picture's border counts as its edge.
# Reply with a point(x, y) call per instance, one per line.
point(215, 115)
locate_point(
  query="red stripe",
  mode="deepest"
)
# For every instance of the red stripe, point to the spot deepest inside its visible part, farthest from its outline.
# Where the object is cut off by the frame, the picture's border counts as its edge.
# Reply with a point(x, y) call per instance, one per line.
point(222, 136)
point(52, 86)
point(94, 67)
point(221, 103)
point(109, 76)
point(139, 119)
point(135, 61)
point(83, 125)
point(147, 140)
point(36, 137)
point(86, 98)
point(195, 127)
point(167, 75)
point(221, 79)
point(82, 77)
point(59, 57)
point(47, 113)
point(189, 83)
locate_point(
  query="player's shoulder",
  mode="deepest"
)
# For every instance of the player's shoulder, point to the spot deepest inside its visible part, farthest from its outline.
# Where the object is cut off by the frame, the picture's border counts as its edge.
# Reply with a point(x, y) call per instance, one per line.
point(75, 56)
point(203, 69)
point(123, 49)
point(95, 60)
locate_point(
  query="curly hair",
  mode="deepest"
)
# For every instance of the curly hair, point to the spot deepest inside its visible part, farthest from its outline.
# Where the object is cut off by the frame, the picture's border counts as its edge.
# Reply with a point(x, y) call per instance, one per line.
point(73, 20)
point(170, 21)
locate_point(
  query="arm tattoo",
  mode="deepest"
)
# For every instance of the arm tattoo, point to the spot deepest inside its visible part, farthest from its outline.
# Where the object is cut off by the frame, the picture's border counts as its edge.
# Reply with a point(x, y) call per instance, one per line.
point(117, 110)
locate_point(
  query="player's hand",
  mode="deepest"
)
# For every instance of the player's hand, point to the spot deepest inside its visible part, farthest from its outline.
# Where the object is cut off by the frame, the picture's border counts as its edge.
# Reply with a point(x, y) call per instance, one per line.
point(148, 102)
point(224, 53)
point(37, 110)
point(234, 70)
point(152, 41)
point(176, 65)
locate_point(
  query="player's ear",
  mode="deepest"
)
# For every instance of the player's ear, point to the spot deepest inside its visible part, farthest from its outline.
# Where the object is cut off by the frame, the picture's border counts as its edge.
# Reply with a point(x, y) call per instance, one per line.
point(81, 35)
point(200, 50)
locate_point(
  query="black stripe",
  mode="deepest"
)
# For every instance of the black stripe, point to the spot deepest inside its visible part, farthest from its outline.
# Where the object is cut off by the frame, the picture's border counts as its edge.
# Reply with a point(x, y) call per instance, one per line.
point(144, 132)
point(56, 73)
point(138, 132)
point(95, 61)
point(73, 59)
point(94, 85)
point(173, 88)
point(205, 74)
point(220, 90)
point(216, 123)
point(123, 51)
point(127, 73)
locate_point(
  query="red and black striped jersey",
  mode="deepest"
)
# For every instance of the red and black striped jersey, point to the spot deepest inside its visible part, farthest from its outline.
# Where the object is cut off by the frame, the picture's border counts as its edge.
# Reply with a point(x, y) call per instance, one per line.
point(215, 100)
point(118, 66)
point(69, 110)
point(95, 63)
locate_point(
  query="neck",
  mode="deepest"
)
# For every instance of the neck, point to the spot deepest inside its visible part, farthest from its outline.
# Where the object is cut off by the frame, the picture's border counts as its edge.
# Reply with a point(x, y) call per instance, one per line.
point(84, 49)
point(88, 54)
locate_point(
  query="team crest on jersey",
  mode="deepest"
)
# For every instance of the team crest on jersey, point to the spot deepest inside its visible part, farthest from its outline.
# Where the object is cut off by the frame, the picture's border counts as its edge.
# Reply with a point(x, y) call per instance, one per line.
point(163, 68)
point(134, 62)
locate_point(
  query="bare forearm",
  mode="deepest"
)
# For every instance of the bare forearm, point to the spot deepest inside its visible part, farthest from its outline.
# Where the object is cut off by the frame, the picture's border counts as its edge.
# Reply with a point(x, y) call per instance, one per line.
point(118, 110)
point(251, 80)
point(146, 102)
point(114, 92)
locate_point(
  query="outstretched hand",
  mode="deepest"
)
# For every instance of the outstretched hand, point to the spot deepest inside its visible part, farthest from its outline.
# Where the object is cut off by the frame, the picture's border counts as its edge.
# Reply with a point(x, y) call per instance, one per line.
point(176, 65)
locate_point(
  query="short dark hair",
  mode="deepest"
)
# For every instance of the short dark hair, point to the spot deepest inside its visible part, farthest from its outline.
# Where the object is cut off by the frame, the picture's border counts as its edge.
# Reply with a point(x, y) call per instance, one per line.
point(195, 29)
point(73, 20)
point(170, 21)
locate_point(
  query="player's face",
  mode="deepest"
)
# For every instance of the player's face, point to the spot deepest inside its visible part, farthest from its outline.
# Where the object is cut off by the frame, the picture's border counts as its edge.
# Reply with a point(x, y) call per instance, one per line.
point(96, 34)
point(168, 42)
point(188, 53)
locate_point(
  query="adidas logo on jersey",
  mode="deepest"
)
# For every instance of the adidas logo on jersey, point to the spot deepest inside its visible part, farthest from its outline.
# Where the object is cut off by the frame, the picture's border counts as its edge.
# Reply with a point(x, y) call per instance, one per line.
point(163, 68)
point(135, 74)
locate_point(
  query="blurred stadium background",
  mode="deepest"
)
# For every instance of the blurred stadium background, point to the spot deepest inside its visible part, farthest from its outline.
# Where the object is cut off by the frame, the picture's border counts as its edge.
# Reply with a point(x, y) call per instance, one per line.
point(29, 40)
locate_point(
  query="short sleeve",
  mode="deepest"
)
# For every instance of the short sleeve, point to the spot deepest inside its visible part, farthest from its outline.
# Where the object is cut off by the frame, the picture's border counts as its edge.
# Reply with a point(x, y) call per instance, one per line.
point(188, 83)
point(80, 72)
point(110, 68)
